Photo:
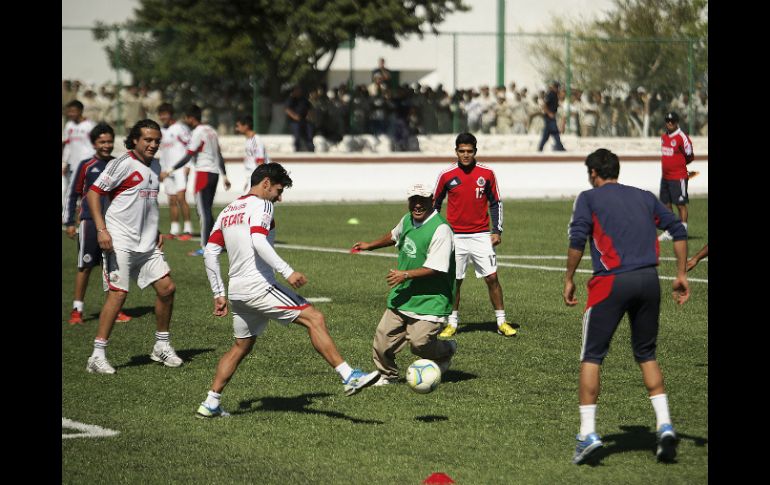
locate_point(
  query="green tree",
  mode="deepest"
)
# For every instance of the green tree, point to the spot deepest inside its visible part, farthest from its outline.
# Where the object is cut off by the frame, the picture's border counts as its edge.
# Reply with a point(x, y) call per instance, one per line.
point(209, 49)
point(638, 43)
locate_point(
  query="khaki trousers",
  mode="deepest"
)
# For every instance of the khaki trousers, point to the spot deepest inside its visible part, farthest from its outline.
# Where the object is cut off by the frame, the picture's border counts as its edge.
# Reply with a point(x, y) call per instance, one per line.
point(395, 330)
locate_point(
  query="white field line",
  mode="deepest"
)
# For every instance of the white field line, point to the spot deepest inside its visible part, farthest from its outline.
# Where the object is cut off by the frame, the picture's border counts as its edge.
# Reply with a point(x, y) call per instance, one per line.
point(319, 299)
point(87, 430)
point(507, 265)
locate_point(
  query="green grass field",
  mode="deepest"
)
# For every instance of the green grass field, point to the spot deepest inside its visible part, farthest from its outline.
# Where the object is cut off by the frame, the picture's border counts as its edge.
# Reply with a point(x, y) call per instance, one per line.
point(505, 413)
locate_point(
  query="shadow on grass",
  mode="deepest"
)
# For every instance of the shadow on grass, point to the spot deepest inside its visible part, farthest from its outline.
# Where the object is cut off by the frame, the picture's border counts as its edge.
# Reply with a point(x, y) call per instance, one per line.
point(135, 312)
point(454, 375)
point(635, 438)
point(482, 327)
point(187, 355)
point(297, 404)
point(431, 418)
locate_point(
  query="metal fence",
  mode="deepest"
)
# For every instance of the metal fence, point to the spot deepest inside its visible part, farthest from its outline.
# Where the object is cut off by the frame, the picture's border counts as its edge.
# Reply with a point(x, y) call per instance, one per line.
point(632, 104)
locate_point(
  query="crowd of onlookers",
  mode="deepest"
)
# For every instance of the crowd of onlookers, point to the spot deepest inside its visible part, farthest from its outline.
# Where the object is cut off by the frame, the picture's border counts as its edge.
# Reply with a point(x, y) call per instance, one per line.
point(406, 110)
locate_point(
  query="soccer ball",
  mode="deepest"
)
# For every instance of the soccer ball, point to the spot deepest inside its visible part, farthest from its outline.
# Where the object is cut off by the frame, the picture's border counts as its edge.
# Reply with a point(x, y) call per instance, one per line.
point(423, 376)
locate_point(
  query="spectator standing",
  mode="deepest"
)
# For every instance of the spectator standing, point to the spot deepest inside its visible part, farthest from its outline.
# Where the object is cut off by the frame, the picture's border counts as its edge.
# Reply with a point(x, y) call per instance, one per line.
point(550, 108)
point(297, 109)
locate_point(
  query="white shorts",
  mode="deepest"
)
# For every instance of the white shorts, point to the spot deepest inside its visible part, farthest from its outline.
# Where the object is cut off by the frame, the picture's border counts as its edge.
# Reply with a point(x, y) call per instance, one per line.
point(278, 303)
point(175, 182)
point(478, 248)
point(120, 266)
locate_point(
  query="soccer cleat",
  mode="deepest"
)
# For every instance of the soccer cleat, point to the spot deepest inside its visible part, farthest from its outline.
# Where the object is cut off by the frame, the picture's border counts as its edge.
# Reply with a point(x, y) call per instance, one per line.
point(197, 252)
point(358, 380)
point(76, 317)
point(586, 447)
point(99, 366)
point(185, 237)
point(665, 236)
point(170, 236)
point(448, 331)
point(506, 330)
point(666, 443)
point(206, 412)
point(165, 353)
point(122, 318)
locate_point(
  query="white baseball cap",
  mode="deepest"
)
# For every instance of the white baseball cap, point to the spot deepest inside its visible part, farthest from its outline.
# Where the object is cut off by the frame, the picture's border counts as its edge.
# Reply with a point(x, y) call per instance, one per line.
point(419, 189)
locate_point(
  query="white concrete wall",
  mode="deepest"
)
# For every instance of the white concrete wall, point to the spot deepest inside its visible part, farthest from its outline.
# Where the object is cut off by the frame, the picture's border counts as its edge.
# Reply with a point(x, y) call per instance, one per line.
point(315, 182)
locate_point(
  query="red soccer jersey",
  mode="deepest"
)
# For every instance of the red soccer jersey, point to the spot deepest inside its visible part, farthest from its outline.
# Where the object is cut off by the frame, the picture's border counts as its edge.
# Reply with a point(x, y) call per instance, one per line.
point(675, 147)
point(472, 197)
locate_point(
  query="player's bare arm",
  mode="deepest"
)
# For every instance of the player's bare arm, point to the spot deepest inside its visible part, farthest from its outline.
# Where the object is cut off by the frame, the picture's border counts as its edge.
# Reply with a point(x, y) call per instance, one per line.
point(573, 260)
point(384, 241)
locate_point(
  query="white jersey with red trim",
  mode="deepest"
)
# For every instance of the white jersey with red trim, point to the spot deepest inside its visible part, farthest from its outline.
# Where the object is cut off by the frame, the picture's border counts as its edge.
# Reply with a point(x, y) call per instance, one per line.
point(204, 144)
point(132, 186)
point(77, 142)
point(249, 274)
point(173, 145)
point(256, 153)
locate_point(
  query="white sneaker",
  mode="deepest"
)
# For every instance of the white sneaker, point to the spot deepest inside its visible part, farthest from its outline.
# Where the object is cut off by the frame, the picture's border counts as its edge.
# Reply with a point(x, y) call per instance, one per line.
point(165, 353)
point(99, 366)
point(384, 381)
point(665, 236)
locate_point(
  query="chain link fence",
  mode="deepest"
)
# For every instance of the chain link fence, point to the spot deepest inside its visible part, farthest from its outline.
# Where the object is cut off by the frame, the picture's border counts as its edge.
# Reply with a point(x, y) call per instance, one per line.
point(609, 87)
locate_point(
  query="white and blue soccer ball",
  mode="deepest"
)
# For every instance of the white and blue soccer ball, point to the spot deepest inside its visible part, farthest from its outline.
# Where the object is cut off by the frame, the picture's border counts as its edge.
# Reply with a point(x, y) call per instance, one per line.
point(423, 376)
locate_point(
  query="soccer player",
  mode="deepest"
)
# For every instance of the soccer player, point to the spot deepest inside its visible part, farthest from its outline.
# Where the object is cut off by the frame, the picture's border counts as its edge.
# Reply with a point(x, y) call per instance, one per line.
point(422, 288)
point(619, 222)
point(472, 197)
point(75, 143)
point(256, 153)
point(173, 146)
point(676, 154)
point(89, 254)
point(245, 229)
point(203, 149)
point(128, 235)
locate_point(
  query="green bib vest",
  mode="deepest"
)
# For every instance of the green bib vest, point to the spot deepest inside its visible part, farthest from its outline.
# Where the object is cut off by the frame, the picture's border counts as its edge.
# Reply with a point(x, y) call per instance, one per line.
point(424, 296)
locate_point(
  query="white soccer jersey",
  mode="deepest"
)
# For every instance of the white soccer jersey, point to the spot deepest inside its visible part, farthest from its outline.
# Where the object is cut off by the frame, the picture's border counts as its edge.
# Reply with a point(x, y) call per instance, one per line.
point(132, 186)
point(256, 154)
point(77, 140)
point(204, 143)
point(173, 145)
point(243, 228)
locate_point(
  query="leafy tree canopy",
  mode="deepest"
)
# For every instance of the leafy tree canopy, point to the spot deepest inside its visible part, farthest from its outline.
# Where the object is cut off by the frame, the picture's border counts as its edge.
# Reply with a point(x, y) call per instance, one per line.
point(214, 47)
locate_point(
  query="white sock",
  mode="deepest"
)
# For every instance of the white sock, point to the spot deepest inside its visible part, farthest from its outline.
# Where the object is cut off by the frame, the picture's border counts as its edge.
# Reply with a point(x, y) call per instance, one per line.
point(187, 226)
point(660, 405)
point(212, 400)
point(500, 315)
point(162, 337)
point(453, 319)
point(77, 305)
point(99, 347)
point(587, 420)
point(175, 228)
point(344, 370)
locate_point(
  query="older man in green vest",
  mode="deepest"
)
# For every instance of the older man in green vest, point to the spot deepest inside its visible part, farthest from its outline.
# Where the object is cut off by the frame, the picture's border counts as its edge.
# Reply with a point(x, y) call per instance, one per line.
point(422, 288)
